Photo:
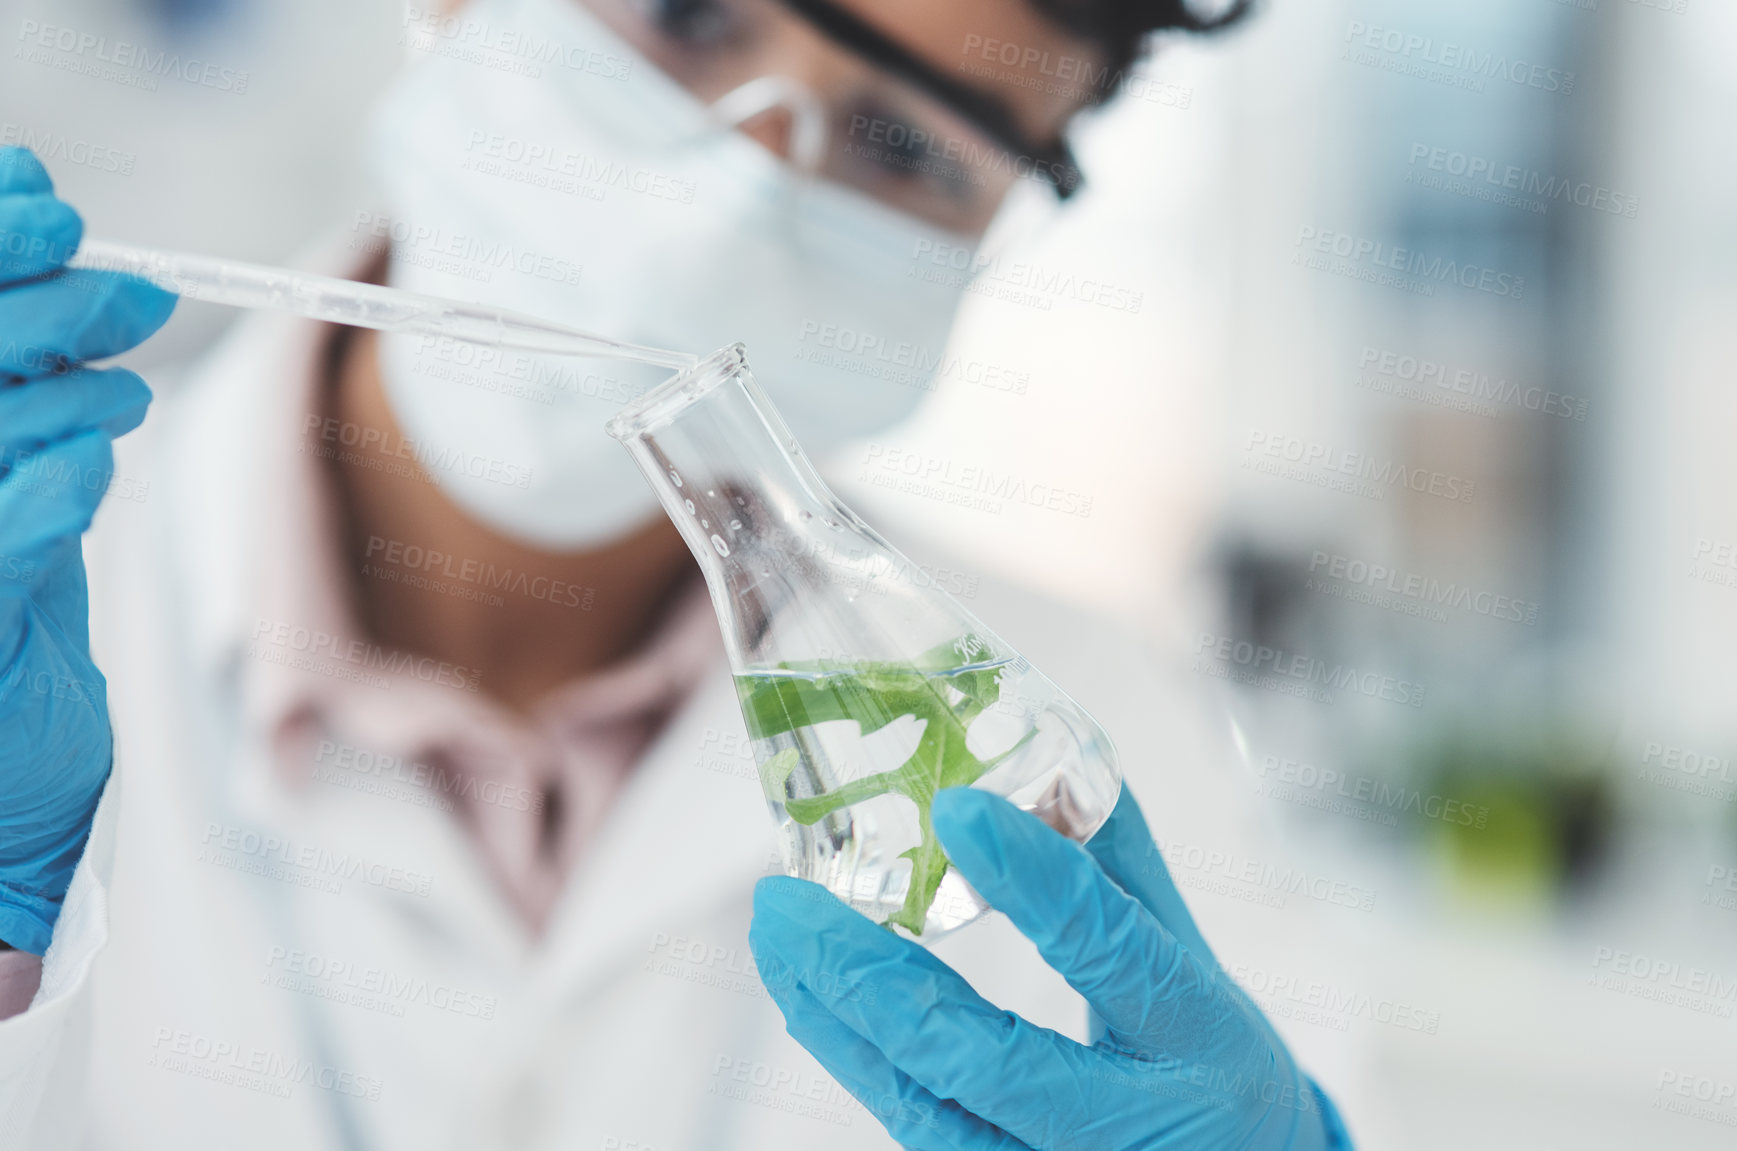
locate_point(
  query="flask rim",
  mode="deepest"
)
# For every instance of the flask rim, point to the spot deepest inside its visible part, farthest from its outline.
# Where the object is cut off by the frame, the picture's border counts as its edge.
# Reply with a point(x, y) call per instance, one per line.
point(669, 399)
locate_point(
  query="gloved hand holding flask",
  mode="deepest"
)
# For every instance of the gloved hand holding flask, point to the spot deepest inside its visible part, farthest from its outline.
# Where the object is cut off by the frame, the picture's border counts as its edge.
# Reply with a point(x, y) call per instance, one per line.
point(58, 419)
point(1182, 1058)
point(920, 771)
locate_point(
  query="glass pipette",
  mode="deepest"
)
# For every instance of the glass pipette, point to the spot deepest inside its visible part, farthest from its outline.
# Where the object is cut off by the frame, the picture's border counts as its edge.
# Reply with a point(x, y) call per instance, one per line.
point(239, 285)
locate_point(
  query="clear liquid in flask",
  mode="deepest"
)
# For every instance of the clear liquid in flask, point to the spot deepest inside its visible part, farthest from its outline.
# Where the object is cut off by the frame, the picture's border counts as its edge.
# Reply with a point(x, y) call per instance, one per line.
point(852, 754)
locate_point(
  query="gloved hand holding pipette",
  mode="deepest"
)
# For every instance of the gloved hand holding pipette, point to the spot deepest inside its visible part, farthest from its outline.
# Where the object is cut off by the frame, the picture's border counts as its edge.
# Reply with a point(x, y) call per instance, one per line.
point(65, 301)
point(1185, 1059)
point(57, 420)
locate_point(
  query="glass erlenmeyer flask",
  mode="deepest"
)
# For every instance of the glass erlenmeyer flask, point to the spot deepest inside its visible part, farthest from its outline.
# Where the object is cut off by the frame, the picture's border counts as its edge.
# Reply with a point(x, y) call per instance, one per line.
point(866, 689)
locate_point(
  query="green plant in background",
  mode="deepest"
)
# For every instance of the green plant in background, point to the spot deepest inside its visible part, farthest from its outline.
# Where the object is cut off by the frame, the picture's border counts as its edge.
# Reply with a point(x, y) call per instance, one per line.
point(1549, 800)
point(941, 688)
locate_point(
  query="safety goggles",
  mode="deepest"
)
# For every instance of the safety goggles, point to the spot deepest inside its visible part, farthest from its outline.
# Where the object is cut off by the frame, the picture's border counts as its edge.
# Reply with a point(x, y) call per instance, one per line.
point(866, 112)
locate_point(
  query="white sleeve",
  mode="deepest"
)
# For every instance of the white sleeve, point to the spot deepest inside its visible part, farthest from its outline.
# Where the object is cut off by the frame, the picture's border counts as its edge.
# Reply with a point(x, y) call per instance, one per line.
point(45, 1051)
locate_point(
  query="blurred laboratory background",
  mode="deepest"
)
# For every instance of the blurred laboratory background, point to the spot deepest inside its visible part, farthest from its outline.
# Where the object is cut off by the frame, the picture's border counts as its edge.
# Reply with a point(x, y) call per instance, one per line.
point(1390, 352)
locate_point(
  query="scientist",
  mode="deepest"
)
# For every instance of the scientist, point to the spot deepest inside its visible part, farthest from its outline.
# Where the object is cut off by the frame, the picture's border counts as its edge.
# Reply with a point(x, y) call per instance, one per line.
point(425, 817)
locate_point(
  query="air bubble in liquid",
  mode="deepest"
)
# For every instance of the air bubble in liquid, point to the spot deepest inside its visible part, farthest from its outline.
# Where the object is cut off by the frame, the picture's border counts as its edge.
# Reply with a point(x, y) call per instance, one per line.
point(718, 542)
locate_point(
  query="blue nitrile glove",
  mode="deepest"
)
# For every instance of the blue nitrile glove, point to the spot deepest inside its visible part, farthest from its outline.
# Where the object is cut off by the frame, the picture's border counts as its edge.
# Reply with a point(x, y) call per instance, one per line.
point(1185, 1059)
point(57, 420)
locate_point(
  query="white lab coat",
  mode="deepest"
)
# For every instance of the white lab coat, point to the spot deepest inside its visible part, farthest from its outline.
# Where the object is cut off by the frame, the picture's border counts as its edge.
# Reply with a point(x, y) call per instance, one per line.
point(183, 1005)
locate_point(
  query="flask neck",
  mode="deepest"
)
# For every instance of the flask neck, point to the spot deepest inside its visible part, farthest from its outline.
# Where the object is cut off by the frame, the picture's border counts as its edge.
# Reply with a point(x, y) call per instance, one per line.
point(722, 462)
point(794, 574)
point(737, 486)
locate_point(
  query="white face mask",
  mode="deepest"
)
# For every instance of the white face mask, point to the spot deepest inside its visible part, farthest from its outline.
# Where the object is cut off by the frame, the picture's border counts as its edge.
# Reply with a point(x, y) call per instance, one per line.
point(600, 194)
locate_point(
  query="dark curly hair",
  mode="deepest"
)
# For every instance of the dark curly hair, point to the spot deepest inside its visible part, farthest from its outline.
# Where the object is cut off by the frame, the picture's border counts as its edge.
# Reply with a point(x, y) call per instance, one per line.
point(1121, 27)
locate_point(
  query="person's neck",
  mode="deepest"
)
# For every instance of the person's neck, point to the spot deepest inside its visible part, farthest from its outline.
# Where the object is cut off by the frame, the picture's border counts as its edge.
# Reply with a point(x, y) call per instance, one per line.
point(570, 614)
